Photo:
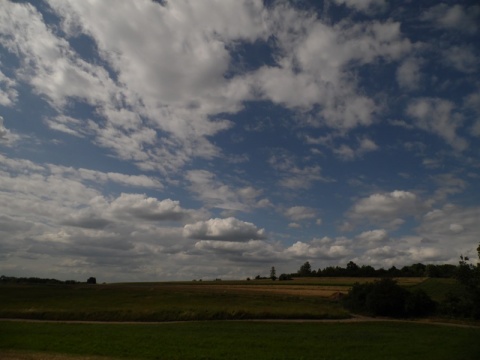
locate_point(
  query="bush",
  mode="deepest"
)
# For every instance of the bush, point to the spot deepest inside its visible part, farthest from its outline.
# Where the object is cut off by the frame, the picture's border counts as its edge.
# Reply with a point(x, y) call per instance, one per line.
point(418, 303)
point(284, 277)
point(387, 298)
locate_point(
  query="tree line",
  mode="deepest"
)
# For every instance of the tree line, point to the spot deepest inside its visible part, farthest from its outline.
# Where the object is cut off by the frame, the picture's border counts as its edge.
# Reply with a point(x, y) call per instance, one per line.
point(354, 270)
point(36, 280)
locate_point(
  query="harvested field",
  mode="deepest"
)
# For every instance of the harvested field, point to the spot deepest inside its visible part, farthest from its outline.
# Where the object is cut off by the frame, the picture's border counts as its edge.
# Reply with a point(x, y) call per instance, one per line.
point(295, 290)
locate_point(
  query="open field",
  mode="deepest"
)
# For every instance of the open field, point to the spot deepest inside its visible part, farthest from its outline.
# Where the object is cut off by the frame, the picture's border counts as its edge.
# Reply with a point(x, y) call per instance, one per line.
point(238, 340)
point(437, 289)
point(306, 298)
point(166, 302)
point(302, 298)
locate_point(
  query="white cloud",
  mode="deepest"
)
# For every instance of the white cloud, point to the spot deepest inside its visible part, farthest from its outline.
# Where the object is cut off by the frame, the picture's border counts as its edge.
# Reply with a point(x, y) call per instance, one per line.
point(148, 208)
point(215, 193)
point(292, 174)
point(313, 69)
point(318, 250)
point(409, 74)
point(365, 5)
point(419, 254)
point(455, 17)
point(8, 93)
point(345, 152)
point(373, 236)
point(385, 208)
point(68, 125)
point(3, 130)
point(455, 228)
point(448, 184)
point(159, 90)
point(52, 194)
point(179, 63)
point(141, 181)
point(348, 153)
point(383, 252)
point(230, 246)
point(472, 102)
point(129, 210)
point(300, 213)
point(171, 77)
point(461, 58)
point(438, 116)
point(230, 229)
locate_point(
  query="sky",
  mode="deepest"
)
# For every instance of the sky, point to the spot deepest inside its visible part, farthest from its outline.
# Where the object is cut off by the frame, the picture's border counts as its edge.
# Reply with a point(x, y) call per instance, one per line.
point(177, 140)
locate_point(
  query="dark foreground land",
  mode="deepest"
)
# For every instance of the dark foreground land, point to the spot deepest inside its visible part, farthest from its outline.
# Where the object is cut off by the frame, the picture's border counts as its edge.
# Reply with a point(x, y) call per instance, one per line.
point(199, 334)
point(239, 340)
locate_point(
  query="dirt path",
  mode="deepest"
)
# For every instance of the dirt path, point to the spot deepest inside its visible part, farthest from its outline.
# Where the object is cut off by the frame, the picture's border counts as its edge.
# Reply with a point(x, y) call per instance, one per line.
point(354, 319)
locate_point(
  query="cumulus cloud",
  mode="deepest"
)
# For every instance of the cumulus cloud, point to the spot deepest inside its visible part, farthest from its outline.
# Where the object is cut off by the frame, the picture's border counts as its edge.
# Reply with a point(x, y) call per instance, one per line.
point(188, 77)
point(348, 153)
point(454, 17)
point(215, 193)
point(386, 208)
point(229, 229)
point(454, 227)
point(8, 92)
point(148, 208)
point(462, 58)
point(50, 172)
point(159, 92)
point(129, 209)
point(448, 184)
point(158, 109)
point(318, 250)
point(292, 174)
point(383, 252)
point(409, 74)
point(317, 58)
point(3, 130)
point(438, 116)
point(364, 6)
point(472, 102)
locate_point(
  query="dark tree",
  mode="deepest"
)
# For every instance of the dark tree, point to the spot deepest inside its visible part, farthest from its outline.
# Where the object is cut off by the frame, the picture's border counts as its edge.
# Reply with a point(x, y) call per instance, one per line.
point(273, 273)
point(284, 277)
point(352, 269)
point(305, 270)
point(91, 280)
point(469, 276)
point(418, 303)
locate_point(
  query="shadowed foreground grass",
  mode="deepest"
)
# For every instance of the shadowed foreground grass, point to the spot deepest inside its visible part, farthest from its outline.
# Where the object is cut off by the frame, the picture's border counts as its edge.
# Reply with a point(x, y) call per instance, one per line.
point(242, 340)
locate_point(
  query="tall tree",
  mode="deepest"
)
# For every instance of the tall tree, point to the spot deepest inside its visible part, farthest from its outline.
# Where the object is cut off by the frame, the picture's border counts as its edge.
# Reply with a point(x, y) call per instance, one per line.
point(305, 270)
point(273, 273)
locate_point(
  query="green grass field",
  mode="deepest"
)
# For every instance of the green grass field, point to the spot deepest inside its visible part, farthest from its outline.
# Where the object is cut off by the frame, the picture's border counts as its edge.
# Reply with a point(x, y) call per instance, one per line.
point(438, 289)
point(240, 340)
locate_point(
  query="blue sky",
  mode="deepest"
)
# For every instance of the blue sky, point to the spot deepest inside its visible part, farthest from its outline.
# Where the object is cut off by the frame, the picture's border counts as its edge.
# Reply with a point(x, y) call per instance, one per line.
point(178, 140)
